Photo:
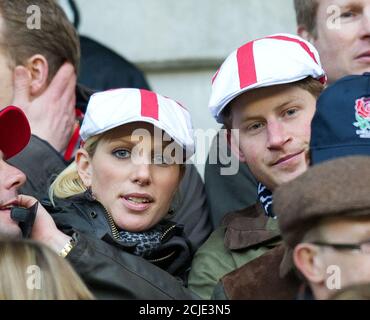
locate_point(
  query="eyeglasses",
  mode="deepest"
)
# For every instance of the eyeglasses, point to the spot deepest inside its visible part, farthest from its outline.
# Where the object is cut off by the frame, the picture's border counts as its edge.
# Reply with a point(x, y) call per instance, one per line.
point(363, 246)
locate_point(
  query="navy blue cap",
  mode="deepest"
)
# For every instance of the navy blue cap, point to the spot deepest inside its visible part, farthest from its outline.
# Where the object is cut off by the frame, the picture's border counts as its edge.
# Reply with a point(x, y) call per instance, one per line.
point(341, 125)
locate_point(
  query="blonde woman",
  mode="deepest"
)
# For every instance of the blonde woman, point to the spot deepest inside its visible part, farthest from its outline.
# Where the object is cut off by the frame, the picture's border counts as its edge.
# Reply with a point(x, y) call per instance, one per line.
point(31, 271)
point(125, 177)
point(109, 271)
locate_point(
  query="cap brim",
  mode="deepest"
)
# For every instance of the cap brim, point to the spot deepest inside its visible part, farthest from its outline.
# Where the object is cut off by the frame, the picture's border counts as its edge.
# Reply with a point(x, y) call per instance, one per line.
point(15, 131)
point(261, 84)
point(189, 150)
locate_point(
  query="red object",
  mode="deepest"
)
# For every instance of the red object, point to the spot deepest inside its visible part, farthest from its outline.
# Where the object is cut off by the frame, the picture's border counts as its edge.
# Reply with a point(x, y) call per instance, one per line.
point(15, 131)
point(246, 65)
point(72, 144)
point(149, 104)
point(363, 107)
point(215, 76)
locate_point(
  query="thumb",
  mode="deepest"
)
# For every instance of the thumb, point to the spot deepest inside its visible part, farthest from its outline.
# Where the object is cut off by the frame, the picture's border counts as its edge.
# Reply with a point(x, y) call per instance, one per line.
point(22, 81)
point(26, 201)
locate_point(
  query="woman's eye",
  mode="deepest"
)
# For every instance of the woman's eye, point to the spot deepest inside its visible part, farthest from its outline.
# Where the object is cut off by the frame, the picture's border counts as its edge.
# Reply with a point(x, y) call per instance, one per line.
point(122, 153)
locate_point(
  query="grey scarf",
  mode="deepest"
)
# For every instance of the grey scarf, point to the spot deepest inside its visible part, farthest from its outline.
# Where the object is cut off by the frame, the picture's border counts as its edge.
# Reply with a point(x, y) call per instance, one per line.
point(146, 241)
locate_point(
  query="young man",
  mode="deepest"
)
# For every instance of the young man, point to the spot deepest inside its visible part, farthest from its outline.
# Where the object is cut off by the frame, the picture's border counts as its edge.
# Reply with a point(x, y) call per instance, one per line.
point(324, 219)
point(266, 90)
point(340, 31)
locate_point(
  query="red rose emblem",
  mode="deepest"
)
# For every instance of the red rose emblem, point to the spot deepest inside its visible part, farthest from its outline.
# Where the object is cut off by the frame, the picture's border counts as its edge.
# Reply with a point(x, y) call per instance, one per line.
point(363, 108)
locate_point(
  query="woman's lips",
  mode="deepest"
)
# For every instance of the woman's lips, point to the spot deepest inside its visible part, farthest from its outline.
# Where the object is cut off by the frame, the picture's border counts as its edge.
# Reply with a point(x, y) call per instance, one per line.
point(137, 202)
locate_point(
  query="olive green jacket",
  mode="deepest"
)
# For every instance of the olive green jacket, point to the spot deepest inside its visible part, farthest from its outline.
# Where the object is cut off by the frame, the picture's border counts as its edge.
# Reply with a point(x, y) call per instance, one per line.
point(243, 236)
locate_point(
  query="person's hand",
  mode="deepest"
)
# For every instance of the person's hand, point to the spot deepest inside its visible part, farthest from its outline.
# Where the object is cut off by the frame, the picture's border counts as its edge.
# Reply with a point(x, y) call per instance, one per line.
point(52, 114)
point(44, 229)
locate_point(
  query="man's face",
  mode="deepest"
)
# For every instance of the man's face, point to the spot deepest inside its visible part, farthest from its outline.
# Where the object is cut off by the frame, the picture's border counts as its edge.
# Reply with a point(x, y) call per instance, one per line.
point(343, 37)
point(354, 265)
point(274, 131)
point(11, 179)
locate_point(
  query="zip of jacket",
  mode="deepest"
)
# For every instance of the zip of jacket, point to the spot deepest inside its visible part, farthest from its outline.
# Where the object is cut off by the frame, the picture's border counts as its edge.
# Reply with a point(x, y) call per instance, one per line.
point(116, 236)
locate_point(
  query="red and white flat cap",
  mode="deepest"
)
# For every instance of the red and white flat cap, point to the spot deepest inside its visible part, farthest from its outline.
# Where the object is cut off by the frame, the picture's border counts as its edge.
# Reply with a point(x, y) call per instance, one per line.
point(272, 60)
point(110, 109)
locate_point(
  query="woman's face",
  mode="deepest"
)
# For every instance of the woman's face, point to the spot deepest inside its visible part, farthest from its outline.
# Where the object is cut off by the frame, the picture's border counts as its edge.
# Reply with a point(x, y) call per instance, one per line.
point(124, 179)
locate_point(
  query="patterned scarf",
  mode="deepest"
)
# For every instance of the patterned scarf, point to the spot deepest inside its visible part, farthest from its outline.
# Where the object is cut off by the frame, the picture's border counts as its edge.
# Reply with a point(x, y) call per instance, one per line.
point(265, 197)
point(146, 241)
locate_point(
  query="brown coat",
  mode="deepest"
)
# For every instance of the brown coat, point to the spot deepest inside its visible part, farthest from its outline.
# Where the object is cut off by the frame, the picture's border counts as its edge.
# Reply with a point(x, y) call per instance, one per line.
point(260, 280)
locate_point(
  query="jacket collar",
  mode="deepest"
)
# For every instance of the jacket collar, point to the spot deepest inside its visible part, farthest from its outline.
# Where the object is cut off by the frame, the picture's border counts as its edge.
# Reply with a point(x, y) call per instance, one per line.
point(248, 227)
point(97, 215)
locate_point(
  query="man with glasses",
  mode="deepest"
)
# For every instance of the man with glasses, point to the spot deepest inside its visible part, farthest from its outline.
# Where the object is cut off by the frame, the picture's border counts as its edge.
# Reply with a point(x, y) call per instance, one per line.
point(324, 216)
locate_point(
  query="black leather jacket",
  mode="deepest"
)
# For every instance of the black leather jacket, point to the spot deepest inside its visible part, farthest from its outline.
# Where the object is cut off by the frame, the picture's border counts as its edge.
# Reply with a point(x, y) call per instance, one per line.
point(111, 273)
point(107, 265)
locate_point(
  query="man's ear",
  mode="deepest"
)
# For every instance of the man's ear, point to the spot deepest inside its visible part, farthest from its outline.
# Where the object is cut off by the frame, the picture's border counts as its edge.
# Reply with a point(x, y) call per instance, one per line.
point(305, 34)
point(84, 167)
point(232, 138)
point(38, 68)
point(309, 262)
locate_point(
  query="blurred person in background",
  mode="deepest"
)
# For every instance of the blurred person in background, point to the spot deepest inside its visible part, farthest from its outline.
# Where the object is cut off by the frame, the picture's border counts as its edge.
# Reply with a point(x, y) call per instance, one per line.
point(340, 30)
point(31, 271)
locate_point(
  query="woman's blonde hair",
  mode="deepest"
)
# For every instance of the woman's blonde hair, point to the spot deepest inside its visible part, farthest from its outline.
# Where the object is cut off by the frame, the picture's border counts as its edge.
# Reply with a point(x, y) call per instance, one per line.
point(31, 271)
point(68, 183)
